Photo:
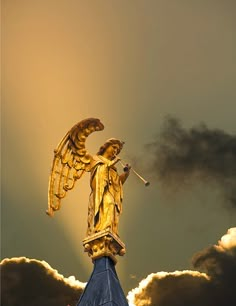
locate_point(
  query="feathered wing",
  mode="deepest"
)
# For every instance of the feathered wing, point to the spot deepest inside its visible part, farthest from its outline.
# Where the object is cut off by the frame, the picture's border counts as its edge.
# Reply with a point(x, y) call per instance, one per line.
point(71, 160)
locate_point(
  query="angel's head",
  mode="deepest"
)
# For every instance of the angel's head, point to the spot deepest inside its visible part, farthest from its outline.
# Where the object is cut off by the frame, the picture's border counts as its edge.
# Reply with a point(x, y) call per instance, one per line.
point(111, 148)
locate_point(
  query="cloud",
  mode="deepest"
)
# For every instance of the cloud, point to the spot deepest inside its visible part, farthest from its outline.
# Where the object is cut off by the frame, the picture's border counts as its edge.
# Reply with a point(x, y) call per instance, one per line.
point(216, 286)
point(170, 289)
point(183, 154)
point(219, 262)
point(32, 282)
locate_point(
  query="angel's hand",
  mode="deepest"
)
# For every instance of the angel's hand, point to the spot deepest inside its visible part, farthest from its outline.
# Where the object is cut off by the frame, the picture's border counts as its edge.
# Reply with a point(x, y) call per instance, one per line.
point(127, 168)
point(125, 174)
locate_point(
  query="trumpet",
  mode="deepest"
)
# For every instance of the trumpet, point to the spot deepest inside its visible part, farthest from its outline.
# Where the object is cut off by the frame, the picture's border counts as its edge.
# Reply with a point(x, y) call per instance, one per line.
point(126, 168)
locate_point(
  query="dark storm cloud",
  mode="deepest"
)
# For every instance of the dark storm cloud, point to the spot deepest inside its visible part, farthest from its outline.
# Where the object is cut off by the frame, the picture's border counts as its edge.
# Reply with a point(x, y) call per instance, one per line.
point(171, 289)
point(183, 154)
point(219, 262)
point(215, 288)
point(31, 282)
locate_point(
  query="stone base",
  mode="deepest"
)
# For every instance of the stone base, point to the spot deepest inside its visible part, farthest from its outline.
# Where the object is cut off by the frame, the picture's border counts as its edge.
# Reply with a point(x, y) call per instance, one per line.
point(104, 243)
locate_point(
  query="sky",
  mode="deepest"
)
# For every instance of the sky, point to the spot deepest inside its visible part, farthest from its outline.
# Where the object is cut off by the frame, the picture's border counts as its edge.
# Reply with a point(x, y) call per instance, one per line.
point(145, 69)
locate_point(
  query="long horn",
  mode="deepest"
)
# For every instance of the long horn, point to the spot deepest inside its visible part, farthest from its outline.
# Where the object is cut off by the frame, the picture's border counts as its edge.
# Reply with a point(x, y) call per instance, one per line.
point(146, 183)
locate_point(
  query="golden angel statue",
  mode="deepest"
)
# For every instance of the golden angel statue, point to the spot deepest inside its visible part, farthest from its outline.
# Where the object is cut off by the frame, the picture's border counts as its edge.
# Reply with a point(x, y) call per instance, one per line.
point(72, 160)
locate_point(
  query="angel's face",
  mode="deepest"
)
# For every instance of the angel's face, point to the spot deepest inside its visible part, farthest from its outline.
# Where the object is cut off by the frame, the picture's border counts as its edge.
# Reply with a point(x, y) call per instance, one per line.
point(111, 151)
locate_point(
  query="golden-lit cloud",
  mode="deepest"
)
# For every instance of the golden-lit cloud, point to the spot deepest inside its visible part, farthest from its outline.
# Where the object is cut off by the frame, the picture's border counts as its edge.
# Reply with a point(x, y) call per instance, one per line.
point(228, 241)
point(180, 288)
point(162, 288)
point(33, 282)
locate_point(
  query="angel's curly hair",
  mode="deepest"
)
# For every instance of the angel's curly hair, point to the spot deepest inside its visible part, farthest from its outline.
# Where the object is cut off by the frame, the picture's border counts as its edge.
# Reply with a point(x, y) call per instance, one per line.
point(110, 142)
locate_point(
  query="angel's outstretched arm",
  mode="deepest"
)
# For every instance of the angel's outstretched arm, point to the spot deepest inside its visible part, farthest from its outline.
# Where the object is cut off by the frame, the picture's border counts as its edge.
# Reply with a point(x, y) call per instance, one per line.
point(125, 174)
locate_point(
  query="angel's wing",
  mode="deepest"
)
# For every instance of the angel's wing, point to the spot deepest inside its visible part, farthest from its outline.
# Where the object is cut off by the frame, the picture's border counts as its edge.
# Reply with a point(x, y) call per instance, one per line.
point(71, 160)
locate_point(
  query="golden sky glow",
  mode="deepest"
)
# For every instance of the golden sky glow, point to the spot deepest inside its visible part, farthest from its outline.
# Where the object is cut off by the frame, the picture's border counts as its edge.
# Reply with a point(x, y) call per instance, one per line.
point(128, 63)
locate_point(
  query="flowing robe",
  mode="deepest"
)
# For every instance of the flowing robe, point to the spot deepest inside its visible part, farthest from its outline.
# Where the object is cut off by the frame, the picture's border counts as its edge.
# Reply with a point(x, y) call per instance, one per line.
point(105, 201)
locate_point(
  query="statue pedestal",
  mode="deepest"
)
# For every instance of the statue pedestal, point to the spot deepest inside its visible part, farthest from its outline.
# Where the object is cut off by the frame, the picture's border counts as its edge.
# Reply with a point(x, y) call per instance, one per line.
point(104, 244)
point(103, 287)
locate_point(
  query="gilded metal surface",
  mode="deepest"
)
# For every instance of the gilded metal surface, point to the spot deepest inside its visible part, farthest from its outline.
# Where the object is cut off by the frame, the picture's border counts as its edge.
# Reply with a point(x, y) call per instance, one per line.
point(104, 243)
point(71, 160)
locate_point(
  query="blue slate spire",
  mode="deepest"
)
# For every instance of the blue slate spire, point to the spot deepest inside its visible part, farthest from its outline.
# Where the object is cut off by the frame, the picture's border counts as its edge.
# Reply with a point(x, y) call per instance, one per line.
point(104, 287)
